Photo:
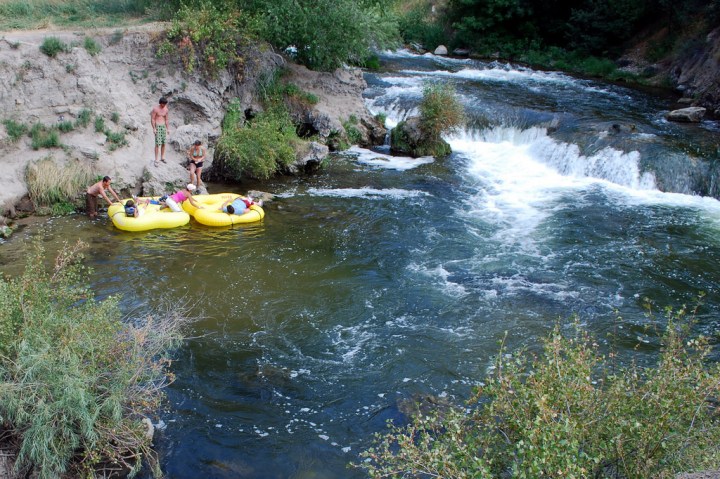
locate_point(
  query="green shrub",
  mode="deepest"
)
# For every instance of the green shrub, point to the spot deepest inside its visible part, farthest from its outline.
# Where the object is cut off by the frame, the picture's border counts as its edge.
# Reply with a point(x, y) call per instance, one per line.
point(51, 46)
point(440, 110)
point(92, 47)
point(83, 118)
point(115, 140)
point(115, 117)
point(351, 131)
point(261, 148)
point(571, 412)
point(99, 124)
point(76, 379)
point(44, 137)
point(208, 36)
point(381, 118)
point(65, 126)
point(14, 129)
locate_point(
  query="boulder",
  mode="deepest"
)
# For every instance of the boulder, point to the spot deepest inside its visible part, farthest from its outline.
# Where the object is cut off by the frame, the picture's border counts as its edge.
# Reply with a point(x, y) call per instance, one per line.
point(309, 157)
point(461, 52)
point(693, 114)
point(409, 139)
point(441, 50)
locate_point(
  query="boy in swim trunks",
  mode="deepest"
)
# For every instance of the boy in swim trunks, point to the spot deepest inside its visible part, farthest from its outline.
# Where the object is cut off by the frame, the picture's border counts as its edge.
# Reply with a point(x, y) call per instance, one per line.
point(161, 128)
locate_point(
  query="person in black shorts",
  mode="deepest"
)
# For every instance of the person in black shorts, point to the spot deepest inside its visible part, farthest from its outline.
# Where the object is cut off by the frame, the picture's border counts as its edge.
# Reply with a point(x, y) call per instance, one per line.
point(196, 155)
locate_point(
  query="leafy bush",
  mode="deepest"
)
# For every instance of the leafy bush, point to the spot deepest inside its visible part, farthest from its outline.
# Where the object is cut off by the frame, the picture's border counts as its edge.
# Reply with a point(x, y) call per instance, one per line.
point(51, 46)
point(415, 27)
point(208, 36)
point(570, 413)
point(76, 379)
point(14, 129)
point(440, 110)
point(92, 47)
point(50, 183)
point(44, 137)
point(261, 148)
point(325, 34)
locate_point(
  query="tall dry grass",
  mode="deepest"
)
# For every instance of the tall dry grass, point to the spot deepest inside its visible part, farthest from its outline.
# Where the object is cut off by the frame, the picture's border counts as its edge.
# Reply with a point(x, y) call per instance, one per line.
point(50, 183)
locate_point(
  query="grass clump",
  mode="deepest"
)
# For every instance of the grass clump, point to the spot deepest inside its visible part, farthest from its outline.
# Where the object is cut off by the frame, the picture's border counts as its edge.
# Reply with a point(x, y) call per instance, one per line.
point(92, 47)
point(50, 183)
point(440, 111)
point(83, 118)
point(51, 46)
point(76, 379)
point(99, 124)
point(259, 149)
point(571, 412)
point(14, 129)
point(351, 131)
point(44, 137)
point(115, 139)
point(65, 126)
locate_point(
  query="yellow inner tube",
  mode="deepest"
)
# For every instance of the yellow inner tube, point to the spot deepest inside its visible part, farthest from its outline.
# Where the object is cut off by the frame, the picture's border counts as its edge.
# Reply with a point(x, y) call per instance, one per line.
point(151, 217)
point(211, 215)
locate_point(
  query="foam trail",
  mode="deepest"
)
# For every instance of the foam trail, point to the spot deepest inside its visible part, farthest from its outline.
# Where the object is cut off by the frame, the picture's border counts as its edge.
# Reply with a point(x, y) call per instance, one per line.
point(380, 160)
point(367, 192)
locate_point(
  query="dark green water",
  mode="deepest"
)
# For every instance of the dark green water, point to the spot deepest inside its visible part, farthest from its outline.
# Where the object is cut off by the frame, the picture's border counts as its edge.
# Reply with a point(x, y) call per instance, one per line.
point(378, 281)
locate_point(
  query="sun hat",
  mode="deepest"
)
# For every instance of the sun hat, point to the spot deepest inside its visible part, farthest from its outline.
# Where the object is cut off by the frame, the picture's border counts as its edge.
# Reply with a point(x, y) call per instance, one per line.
point(191, 187)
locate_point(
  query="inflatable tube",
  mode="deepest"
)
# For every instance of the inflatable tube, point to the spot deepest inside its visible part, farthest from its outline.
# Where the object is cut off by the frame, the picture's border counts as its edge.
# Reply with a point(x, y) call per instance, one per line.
point(211, 215)
point(151, 217)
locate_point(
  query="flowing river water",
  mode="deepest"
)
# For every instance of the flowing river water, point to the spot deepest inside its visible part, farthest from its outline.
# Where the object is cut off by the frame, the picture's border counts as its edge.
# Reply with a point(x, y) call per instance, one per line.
point(384, 280)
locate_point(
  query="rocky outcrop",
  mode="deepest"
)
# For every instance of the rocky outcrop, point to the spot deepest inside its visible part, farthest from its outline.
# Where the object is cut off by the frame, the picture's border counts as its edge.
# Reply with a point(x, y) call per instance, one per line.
point(339, 106)
point(695, 70)
point(409, 139)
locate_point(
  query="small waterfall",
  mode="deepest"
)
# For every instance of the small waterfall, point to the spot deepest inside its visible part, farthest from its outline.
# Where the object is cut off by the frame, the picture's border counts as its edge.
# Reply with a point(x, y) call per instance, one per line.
point(607, 164)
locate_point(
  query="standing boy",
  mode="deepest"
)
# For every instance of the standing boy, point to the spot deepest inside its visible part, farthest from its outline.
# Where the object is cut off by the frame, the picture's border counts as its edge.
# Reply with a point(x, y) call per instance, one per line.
point(161, 128)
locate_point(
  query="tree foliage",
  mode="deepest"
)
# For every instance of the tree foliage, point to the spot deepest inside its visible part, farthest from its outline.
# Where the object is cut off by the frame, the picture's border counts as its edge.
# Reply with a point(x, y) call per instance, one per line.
point(572, 412)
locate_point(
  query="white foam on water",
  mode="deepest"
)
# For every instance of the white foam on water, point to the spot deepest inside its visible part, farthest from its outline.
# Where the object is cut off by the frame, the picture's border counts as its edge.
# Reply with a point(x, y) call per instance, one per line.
point(380, 160)
point(367, 193)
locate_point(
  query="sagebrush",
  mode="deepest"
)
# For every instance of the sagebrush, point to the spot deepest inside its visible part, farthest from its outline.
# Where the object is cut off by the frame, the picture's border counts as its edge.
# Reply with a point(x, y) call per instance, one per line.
point(571, 412)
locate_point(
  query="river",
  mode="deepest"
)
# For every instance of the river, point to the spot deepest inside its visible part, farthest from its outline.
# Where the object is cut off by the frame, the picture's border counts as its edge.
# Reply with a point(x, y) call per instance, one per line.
point(382, 280)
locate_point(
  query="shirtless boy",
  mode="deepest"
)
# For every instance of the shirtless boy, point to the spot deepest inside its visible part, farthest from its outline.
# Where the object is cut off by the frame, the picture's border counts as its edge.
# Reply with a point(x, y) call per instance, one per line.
point(161, 128)
point(98, 189)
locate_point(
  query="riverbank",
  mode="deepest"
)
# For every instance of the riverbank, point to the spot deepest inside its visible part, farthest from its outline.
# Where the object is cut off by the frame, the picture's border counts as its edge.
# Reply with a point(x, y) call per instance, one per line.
point(96, 93)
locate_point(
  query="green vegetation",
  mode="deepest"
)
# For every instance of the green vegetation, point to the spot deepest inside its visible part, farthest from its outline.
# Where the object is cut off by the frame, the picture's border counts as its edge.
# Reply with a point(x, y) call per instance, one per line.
point(92, 47)
point(99, 124)
point(52, 186)
point(14, 129)
point(83, 118)
point(209, 37)
point(44, 137)
point(571, 412)
point(259, 149)
point(115, 117)
point(115, 139)
point(65, 126)
point(440, 110)
point(51, 46)
point(76, 380)
point(33, 14)
point(324, 34)
point(353, 134)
